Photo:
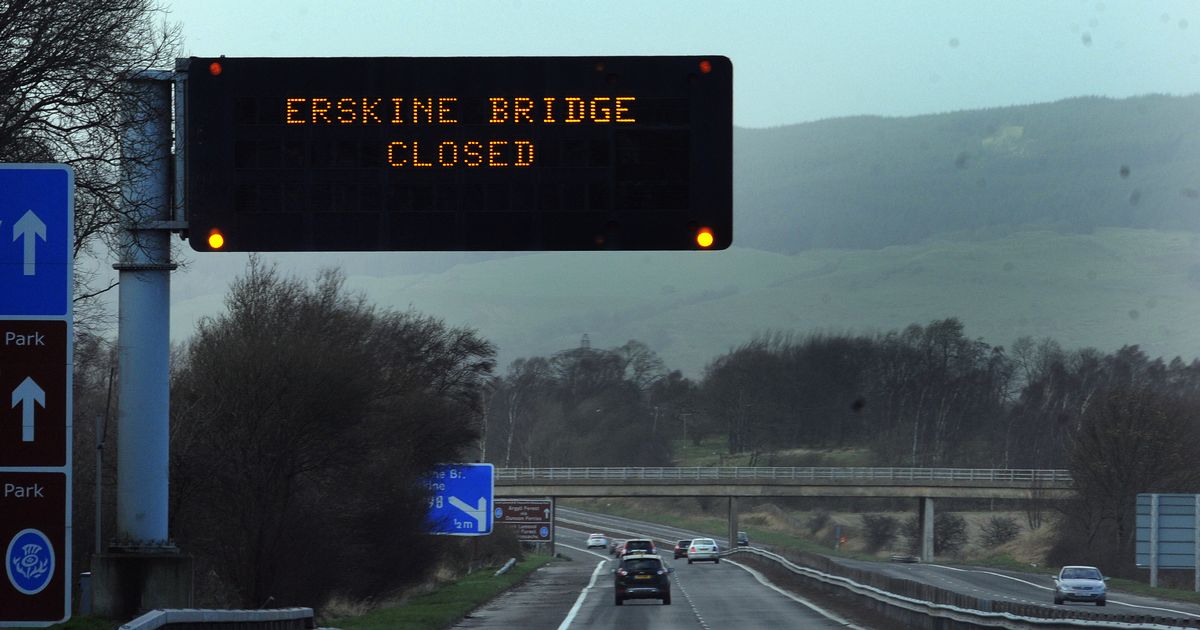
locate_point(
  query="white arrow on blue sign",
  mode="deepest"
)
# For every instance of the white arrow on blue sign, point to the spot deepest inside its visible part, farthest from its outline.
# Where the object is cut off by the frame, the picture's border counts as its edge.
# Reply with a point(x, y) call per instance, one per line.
point(460, 499)
point(36, 215)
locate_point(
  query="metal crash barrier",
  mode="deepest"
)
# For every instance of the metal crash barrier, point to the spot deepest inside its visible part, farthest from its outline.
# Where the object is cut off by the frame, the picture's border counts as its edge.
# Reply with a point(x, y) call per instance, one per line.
point(917, 605)
point(189, 619)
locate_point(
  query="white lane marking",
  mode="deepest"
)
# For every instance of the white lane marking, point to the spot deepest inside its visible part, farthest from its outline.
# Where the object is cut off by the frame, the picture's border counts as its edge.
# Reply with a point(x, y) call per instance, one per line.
point(566, 622)
point(1047, 588)
point(799, 600)
point(695, 610)
point(600, 555)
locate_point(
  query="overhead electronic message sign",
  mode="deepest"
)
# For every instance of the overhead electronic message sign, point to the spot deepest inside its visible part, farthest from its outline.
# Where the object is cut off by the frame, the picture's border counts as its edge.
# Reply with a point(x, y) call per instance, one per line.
point(459, 154)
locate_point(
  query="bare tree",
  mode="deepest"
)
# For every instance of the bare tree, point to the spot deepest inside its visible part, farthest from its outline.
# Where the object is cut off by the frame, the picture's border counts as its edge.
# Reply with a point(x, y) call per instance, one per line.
point(303, 419)
point(63, 67)
point(1134, 439)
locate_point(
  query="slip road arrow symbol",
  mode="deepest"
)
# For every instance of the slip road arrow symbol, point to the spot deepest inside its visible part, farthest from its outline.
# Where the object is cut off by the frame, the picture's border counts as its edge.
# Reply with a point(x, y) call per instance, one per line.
point(479, 514)
point(26, 394)
point(30, 226)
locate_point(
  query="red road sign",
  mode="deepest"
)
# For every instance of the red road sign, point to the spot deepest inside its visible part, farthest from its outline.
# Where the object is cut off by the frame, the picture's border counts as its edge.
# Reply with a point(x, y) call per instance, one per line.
point(40, 499)
point(524, 510)
point(33, 378)
point(531, 519)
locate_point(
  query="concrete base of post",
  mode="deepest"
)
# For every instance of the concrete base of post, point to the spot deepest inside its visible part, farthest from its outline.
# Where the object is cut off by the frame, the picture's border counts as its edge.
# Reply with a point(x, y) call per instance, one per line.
point(126, 585)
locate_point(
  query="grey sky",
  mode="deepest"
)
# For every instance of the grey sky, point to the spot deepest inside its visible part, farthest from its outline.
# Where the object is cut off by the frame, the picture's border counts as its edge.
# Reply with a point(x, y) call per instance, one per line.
point(794, 61)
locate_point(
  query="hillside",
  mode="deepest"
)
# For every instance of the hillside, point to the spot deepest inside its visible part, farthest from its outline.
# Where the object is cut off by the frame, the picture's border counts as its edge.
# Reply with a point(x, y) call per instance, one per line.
point(870, 182)
point(1112, 287)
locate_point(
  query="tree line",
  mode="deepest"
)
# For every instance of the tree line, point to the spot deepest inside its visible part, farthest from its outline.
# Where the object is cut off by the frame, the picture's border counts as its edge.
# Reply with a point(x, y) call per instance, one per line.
point(924, 396)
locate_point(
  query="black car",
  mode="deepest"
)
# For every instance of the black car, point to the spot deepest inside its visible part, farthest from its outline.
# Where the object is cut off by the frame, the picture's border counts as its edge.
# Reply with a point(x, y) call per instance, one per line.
point(743, 540)
point(642, 577)
point(681, 549)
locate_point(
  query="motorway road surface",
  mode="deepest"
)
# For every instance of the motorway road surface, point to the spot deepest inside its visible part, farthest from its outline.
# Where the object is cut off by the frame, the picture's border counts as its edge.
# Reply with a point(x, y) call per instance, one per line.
point(704, 595)
point(1037, 588)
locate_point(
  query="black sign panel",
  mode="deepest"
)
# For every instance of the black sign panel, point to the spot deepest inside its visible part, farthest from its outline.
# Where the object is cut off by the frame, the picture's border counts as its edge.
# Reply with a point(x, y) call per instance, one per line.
point(33, 585)
point(33, 375)
point(459, 154)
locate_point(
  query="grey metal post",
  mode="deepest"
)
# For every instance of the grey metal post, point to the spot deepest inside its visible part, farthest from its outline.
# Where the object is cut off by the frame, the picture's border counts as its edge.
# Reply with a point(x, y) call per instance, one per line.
point(143, 329)
point(926, 518)
point(1153, 540)
point(733, 522)
point(1196, 543)
point(99, 488)
point(553, 529)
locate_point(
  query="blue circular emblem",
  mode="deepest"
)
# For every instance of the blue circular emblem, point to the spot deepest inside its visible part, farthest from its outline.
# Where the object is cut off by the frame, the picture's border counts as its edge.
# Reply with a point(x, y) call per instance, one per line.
point(544, 532)
point(499, 512)
point(29, 561)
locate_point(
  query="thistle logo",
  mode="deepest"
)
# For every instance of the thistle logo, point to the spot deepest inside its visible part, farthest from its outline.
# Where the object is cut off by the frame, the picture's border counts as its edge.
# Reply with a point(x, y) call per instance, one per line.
point(29, 561)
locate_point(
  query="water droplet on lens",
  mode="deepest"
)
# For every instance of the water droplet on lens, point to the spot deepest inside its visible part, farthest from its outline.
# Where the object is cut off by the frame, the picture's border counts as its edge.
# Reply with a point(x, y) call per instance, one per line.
point(1087, 39)
point(954, 42)
point(1124, 171)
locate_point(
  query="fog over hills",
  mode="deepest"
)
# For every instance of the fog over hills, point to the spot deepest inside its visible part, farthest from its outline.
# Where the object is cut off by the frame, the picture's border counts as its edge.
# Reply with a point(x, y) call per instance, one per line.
point(1070, 166)
point(1017, 220)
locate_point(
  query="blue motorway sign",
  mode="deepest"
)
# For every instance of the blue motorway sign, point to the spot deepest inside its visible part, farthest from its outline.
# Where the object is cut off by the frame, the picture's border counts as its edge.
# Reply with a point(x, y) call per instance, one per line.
point(460, 499)
point(36, 227)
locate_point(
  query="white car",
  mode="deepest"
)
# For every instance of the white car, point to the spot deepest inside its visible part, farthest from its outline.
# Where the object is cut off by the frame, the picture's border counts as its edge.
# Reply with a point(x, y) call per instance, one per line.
point(703, 549)
point(1080, 584)
point(597, 540)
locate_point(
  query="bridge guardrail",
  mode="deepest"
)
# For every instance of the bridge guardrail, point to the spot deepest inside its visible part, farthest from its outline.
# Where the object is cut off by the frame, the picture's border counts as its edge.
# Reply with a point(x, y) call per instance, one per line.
point(1001, 475)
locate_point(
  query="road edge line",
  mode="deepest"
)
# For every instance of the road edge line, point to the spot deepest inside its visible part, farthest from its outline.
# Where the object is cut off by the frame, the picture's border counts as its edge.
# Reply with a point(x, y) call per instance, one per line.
point(762, 579)
point(566, 622)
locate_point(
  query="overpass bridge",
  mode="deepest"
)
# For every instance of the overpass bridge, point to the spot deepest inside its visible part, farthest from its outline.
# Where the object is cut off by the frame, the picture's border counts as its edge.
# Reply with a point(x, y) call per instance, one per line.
point(733, 482)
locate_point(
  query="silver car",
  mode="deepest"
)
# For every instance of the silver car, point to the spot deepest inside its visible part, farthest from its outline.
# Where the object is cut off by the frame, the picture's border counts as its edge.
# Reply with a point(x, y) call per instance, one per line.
point(597, 540)
point(1080, 584)
point(703, 549)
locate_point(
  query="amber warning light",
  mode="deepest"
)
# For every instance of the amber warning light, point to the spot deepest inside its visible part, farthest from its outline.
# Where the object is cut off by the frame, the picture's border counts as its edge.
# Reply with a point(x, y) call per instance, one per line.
point(216, 240)
point(704, 238)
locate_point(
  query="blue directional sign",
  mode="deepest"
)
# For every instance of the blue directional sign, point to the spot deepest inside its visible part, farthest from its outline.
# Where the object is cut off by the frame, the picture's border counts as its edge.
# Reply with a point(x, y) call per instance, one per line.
point(460, 499)
point(36, 230)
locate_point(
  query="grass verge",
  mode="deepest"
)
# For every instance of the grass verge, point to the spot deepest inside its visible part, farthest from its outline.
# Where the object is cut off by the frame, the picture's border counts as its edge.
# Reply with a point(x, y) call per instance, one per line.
point(443, 606)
